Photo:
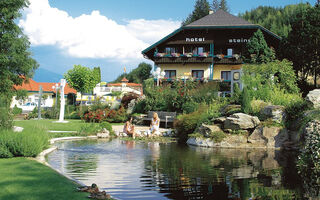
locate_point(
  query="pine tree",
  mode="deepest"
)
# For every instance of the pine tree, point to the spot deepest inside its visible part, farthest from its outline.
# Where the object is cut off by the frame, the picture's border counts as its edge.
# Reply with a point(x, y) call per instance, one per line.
point(217, 5)
point(258, 50)
point(201, 9)
point(223, 5)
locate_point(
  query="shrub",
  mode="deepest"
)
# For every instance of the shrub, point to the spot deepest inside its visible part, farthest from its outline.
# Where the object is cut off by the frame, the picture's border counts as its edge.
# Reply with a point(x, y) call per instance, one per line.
point(140, 106)
point(51, 113)
point(16, 110)
point(190, 107)
point(90, 128)
point(187, 123)
point(257, 106)
point(218, 136)
point(4, 152)
point(27, 143)
point(6, 119)
point(107, 126)
point(105, 115)
point(309, 163)
point(273, 82)
point(245, 101)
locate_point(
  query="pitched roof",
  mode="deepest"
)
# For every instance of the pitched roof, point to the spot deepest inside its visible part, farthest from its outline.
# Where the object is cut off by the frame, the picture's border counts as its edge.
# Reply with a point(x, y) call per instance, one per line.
point(124, 80)
point(220, 18)
point(31, 85)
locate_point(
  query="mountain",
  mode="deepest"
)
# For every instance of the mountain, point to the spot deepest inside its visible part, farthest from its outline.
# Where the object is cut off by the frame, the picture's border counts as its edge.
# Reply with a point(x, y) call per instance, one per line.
point(44, 75)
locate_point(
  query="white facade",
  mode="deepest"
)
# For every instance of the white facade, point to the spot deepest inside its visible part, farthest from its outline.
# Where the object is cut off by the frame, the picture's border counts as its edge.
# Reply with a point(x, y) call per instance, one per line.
point(34, 98)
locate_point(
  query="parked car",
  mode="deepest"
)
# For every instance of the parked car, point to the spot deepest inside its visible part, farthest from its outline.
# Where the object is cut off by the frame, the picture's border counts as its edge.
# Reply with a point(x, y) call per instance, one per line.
point(28, 107)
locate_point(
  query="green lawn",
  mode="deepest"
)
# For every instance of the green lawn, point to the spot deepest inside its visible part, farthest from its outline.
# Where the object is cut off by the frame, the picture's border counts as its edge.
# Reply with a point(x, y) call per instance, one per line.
point(48, 124)
point(73, 125)
point(25, 179)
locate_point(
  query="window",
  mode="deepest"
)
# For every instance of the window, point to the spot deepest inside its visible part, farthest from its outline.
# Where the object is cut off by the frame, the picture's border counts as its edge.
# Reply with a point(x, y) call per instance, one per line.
point(226, 75)
point(197, 73)
point(170, 73)
point(230, 52)
point(198, 50)
point(170, 50)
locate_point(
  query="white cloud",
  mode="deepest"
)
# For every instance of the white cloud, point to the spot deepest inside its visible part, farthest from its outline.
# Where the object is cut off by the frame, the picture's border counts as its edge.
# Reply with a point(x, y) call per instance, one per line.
point(94, 35)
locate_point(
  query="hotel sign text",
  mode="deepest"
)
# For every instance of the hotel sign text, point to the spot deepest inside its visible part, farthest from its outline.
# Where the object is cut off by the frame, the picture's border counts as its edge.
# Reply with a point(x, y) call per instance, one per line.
point(239, 40)
point(195, 39)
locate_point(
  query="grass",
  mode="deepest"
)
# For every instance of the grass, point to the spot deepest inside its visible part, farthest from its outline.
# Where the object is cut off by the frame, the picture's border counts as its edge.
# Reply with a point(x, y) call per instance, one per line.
point(73, 125)
point(82, 128)
point(27, 143)
point(25, 179)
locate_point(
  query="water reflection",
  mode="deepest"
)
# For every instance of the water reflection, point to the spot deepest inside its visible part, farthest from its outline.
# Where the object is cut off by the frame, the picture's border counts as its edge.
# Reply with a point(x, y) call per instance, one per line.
point(137, 170)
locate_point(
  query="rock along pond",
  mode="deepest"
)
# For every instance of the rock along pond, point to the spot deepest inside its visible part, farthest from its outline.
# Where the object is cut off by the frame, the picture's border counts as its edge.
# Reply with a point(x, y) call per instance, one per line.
point(141, 170)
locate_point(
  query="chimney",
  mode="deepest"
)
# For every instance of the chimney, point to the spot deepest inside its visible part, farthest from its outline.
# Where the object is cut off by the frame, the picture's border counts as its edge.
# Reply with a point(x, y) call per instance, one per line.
point(210, 12)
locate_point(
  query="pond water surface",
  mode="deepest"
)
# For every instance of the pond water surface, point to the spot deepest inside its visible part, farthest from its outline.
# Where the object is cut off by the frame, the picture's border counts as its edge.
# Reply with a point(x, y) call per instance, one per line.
point(142, 170)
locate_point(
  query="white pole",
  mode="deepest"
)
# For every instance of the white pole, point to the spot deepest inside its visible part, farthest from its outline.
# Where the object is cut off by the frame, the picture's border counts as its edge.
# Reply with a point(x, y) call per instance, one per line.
point(62, 103)
point(39, 102)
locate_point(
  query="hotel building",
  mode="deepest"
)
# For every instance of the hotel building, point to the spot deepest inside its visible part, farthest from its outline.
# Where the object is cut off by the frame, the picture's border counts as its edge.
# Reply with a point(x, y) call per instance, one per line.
point(210, 48)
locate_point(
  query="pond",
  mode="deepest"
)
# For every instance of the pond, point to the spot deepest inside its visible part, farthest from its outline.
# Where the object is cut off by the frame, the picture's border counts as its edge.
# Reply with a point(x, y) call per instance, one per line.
point(142, 170)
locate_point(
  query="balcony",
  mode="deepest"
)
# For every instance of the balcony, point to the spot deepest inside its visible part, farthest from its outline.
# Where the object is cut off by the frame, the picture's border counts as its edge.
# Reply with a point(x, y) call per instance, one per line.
point(196, 58)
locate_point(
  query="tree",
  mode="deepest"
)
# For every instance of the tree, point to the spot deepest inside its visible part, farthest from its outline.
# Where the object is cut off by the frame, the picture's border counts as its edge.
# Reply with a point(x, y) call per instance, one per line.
point(16, 63)
point(258, 50)
point(303, 43)
point(217, 5)
point(278, 20)
point(21, 95)
point(97, 74)
point(201, 9)
point(81, 78)
point(138, 75)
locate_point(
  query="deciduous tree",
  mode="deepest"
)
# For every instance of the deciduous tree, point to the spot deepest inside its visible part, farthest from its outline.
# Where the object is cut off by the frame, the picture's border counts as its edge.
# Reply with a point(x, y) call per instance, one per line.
point(16, 63)
point(138, 75)
point(81, 78)
point(303, 44)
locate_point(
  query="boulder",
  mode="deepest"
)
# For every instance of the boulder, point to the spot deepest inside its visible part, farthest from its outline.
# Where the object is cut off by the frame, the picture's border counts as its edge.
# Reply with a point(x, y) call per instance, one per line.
point(313, 98)
point(270, 137)
point(219, 120)
point(276, 113)
point(240, 121)
point(200, 142)
point(231, 141)
point(103, 134)
point(17, 129)
point(207, 130)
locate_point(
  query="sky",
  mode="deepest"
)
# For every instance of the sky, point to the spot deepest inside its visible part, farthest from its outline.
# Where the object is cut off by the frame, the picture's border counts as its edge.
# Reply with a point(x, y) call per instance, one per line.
point(108, 33)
